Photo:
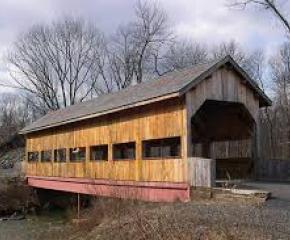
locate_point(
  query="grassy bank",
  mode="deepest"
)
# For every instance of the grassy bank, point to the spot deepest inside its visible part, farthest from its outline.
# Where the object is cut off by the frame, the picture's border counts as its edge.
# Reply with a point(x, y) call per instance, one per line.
point(115, 219)
point(15, 196)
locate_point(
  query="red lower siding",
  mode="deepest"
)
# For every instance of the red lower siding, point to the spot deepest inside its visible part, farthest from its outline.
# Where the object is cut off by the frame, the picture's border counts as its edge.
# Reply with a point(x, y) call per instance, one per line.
point(147, 191)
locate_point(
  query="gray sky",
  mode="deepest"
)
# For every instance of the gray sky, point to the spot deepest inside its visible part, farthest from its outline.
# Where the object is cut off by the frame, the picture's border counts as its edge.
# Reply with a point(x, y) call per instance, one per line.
point(206, 21)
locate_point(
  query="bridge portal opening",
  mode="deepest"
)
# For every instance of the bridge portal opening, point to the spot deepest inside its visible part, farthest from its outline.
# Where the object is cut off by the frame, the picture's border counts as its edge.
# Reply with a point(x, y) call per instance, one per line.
point(225, 131)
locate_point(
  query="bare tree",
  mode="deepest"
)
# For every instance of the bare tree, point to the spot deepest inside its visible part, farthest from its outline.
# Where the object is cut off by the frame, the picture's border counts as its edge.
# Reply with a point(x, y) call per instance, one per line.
point(122, 57)
point(268, 5)
point(134, 44)
point(181, 54)
point(15, 113)
point(255, 65)
point(150, 32)
point(61, 64)
point(253, 62)
point(280, 71)
point(229, 48)
point(275, 121)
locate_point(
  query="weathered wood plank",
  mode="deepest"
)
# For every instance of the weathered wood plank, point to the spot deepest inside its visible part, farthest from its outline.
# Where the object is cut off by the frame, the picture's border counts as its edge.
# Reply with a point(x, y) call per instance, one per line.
point(159, 120)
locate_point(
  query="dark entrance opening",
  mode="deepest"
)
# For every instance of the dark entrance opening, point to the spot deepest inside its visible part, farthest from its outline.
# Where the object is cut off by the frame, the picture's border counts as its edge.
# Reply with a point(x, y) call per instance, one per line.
point(225, 131)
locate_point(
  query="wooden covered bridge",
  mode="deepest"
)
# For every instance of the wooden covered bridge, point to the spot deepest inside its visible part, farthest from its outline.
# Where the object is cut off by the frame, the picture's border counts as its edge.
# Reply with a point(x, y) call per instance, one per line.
point(151, 141)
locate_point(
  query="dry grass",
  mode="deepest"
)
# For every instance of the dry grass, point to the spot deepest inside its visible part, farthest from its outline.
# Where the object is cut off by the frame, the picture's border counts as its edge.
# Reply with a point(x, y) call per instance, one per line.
point(124, 219)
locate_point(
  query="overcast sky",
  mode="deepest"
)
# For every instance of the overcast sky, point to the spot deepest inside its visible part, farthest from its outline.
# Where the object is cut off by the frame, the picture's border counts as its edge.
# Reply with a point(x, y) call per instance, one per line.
point(206, 21)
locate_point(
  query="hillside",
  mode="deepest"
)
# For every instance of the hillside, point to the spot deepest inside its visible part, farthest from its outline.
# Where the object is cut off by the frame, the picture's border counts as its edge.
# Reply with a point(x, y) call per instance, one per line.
point(11, 155)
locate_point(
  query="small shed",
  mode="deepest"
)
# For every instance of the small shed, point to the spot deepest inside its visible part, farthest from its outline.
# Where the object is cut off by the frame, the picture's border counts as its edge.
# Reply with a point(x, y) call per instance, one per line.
point(151, 141)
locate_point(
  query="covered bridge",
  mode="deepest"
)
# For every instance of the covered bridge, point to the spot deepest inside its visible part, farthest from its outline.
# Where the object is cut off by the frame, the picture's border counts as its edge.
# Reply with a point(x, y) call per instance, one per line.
point(151, 141)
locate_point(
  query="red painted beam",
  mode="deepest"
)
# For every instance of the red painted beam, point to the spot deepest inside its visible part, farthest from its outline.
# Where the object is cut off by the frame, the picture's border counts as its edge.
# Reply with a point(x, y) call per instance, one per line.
point(147, 191)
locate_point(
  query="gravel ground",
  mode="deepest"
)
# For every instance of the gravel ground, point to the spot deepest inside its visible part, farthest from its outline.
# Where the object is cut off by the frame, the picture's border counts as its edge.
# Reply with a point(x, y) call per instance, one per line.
point(279, 190)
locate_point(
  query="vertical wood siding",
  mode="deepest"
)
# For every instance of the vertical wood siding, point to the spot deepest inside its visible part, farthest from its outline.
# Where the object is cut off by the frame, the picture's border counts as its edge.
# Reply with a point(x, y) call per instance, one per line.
point(223, 85)
point(160, 120)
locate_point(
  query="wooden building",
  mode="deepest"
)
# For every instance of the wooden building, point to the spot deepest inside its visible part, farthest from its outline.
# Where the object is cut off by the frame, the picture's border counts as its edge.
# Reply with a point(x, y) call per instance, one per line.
point(151, 141)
